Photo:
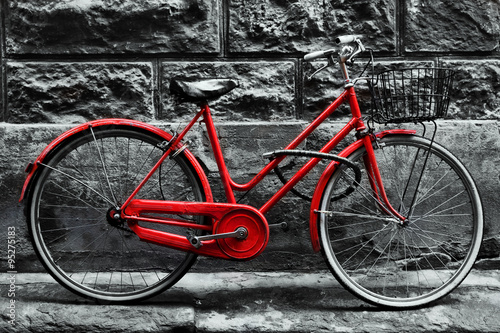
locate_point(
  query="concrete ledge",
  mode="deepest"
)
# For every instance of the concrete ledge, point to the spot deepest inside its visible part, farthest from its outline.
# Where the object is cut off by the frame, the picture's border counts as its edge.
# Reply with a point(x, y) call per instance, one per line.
point(248, 302)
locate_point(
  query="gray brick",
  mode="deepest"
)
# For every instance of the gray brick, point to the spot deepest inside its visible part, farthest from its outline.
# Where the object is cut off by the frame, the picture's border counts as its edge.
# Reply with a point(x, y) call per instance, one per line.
point(309, 25)
point(130, 26)
point(444, 26)
point(20, 144)
point(77, 92)
point(266, 90)
point(477, 89)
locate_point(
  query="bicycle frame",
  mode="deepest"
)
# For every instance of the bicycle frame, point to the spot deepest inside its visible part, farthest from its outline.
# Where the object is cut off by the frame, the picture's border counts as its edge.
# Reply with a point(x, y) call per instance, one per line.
point(131, 209)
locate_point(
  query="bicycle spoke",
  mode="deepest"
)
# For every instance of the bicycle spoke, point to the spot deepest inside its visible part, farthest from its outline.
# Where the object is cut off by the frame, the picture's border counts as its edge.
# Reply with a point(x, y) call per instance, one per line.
point(104, 167)
point(80, 182)
point(363, 246)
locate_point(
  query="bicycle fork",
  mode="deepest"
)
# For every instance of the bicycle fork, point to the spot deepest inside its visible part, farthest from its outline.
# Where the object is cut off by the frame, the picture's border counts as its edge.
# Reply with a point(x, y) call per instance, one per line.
point(376, 183)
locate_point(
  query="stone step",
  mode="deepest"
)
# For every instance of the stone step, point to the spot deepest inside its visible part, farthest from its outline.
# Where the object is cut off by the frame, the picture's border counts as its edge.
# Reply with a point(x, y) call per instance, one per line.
point(247, 302)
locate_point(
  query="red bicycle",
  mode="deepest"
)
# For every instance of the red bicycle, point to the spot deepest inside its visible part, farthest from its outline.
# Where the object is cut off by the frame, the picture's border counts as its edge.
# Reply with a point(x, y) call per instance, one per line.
point(118, 209)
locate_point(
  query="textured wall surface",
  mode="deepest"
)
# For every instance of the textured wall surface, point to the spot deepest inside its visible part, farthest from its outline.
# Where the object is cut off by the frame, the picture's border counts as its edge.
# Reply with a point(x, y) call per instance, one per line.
point(68, 61)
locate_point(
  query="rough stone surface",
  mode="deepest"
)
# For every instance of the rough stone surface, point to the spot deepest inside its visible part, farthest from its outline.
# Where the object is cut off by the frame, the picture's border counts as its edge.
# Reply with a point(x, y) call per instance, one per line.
point(250, 302)
point(477, 89)
point(76, 92)
point(2, 78)
point(490, 248)
point(444, 26)
point(310, 25)
point(266, 90)
point(20, 144)
point(108, 26)
point(476, 144)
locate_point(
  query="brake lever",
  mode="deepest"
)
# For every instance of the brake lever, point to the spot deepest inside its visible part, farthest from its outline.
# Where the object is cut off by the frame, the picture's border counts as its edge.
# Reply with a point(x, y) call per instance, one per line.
point(359, 49)
point(309, 78)
point(350, 61)
point(330, 62)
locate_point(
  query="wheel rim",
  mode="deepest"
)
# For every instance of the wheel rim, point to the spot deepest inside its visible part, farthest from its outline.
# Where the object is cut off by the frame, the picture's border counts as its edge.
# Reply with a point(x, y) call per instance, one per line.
point(76, 238)
point(411, 264)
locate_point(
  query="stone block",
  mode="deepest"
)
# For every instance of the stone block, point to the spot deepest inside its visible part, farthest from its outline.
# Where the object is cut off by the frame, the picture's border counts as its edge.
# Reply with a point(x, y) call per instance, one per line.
point(20, 144)
point(39, 316)
point(476, 93)
point(105, 26)
point(490, 248)
point(310, 25)
point(2, 86)
point(476, 144)
point(59, 92)
point(266, 90)
point(451, 26)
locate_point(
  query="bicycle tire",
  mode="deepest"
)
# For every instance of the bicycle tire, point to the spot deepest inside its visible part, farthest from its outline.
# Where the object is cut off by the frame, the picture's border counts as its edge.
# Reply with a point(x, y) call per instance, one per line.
point(403, 265)
point(71, 198)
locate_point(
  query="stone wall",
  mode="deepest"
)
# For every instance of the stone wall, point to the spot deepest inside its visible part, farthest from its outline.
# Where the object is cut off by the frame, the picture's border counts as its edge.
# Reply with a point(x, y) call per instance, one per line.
point(66, 62)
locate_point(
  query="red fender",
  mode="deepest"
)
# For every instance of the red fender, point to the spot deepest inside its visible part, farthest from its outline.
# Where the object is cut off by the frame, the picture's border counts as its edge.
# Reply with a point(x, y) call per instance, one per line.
point(33, 166)
point(325, 177)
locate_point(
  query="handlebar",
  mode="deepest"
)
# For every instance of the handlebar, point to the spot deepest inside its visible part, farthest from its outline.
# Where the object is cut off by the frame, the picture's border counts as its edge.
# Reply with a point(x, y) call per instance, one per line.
point(346, 39)
point(339, 40)
point(318, 54)
point(346, 54)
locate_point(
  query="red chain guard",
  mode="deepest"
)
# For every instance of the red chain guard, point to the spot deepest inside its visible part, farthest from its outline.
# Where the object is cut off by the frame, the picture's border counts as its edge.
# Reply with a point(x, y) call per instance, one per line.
point(227, 217)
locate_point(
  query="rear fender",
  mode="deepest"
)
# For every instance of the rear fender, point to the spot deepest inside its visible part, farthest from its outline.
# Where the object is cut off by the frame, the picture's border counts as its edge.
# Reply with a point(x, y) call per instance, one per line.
point(33, 167)
point(325, 177)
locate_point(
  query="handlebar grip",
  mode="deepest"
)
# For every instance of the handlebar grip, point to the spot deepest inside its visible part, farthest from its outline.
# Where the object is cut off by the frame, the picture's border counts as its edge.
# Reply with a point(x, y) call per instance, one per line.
point(345, 39)
point(318, 54)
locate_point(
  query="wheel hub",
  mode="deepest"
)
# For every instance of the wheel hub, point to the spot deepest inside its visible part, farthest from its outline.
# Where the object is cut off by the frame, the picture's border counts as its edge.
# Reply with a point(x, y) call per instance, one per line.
point(113, 217)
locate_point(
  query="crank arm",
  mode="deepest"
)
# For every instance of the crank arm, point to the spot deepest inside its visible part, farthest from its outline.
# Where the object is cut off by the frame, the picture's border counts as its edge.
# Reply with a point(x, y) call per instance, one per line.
point(282, 225)
point(240, 233)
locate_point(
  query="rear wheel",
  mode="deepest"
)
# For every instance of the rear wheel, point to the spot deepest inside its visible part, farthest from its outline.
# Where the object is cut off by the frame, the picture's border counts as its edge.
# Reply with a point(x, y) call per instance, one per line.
point(72, 214)
point(421, 260)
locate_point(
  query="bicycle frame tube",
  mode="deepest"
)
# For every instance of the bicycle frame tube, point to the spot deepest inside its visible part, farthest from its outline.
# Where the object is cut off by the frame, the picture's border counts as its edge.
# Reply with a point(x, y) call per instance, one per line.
point(376, 179)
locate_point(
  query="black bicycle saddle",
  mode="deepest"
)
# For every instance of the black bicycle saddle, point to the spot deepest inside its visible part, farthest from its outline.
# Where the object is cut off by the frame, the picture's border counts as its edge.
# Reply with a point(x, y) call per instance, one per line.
point(200, 90)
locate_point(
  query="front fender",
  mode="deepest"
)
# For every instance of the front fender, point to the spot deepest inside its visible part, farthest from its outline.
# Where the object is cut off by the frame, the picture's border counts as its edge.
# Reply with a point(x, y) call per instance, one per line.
point(57, 142)
point(325, 177)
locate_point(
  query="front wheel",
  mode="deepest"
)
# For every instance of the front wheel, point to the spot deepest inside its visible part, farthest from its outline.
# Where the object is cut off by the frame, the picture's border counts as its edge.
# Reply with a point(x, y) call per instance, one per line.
point(410, 264)
point(71, 213)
